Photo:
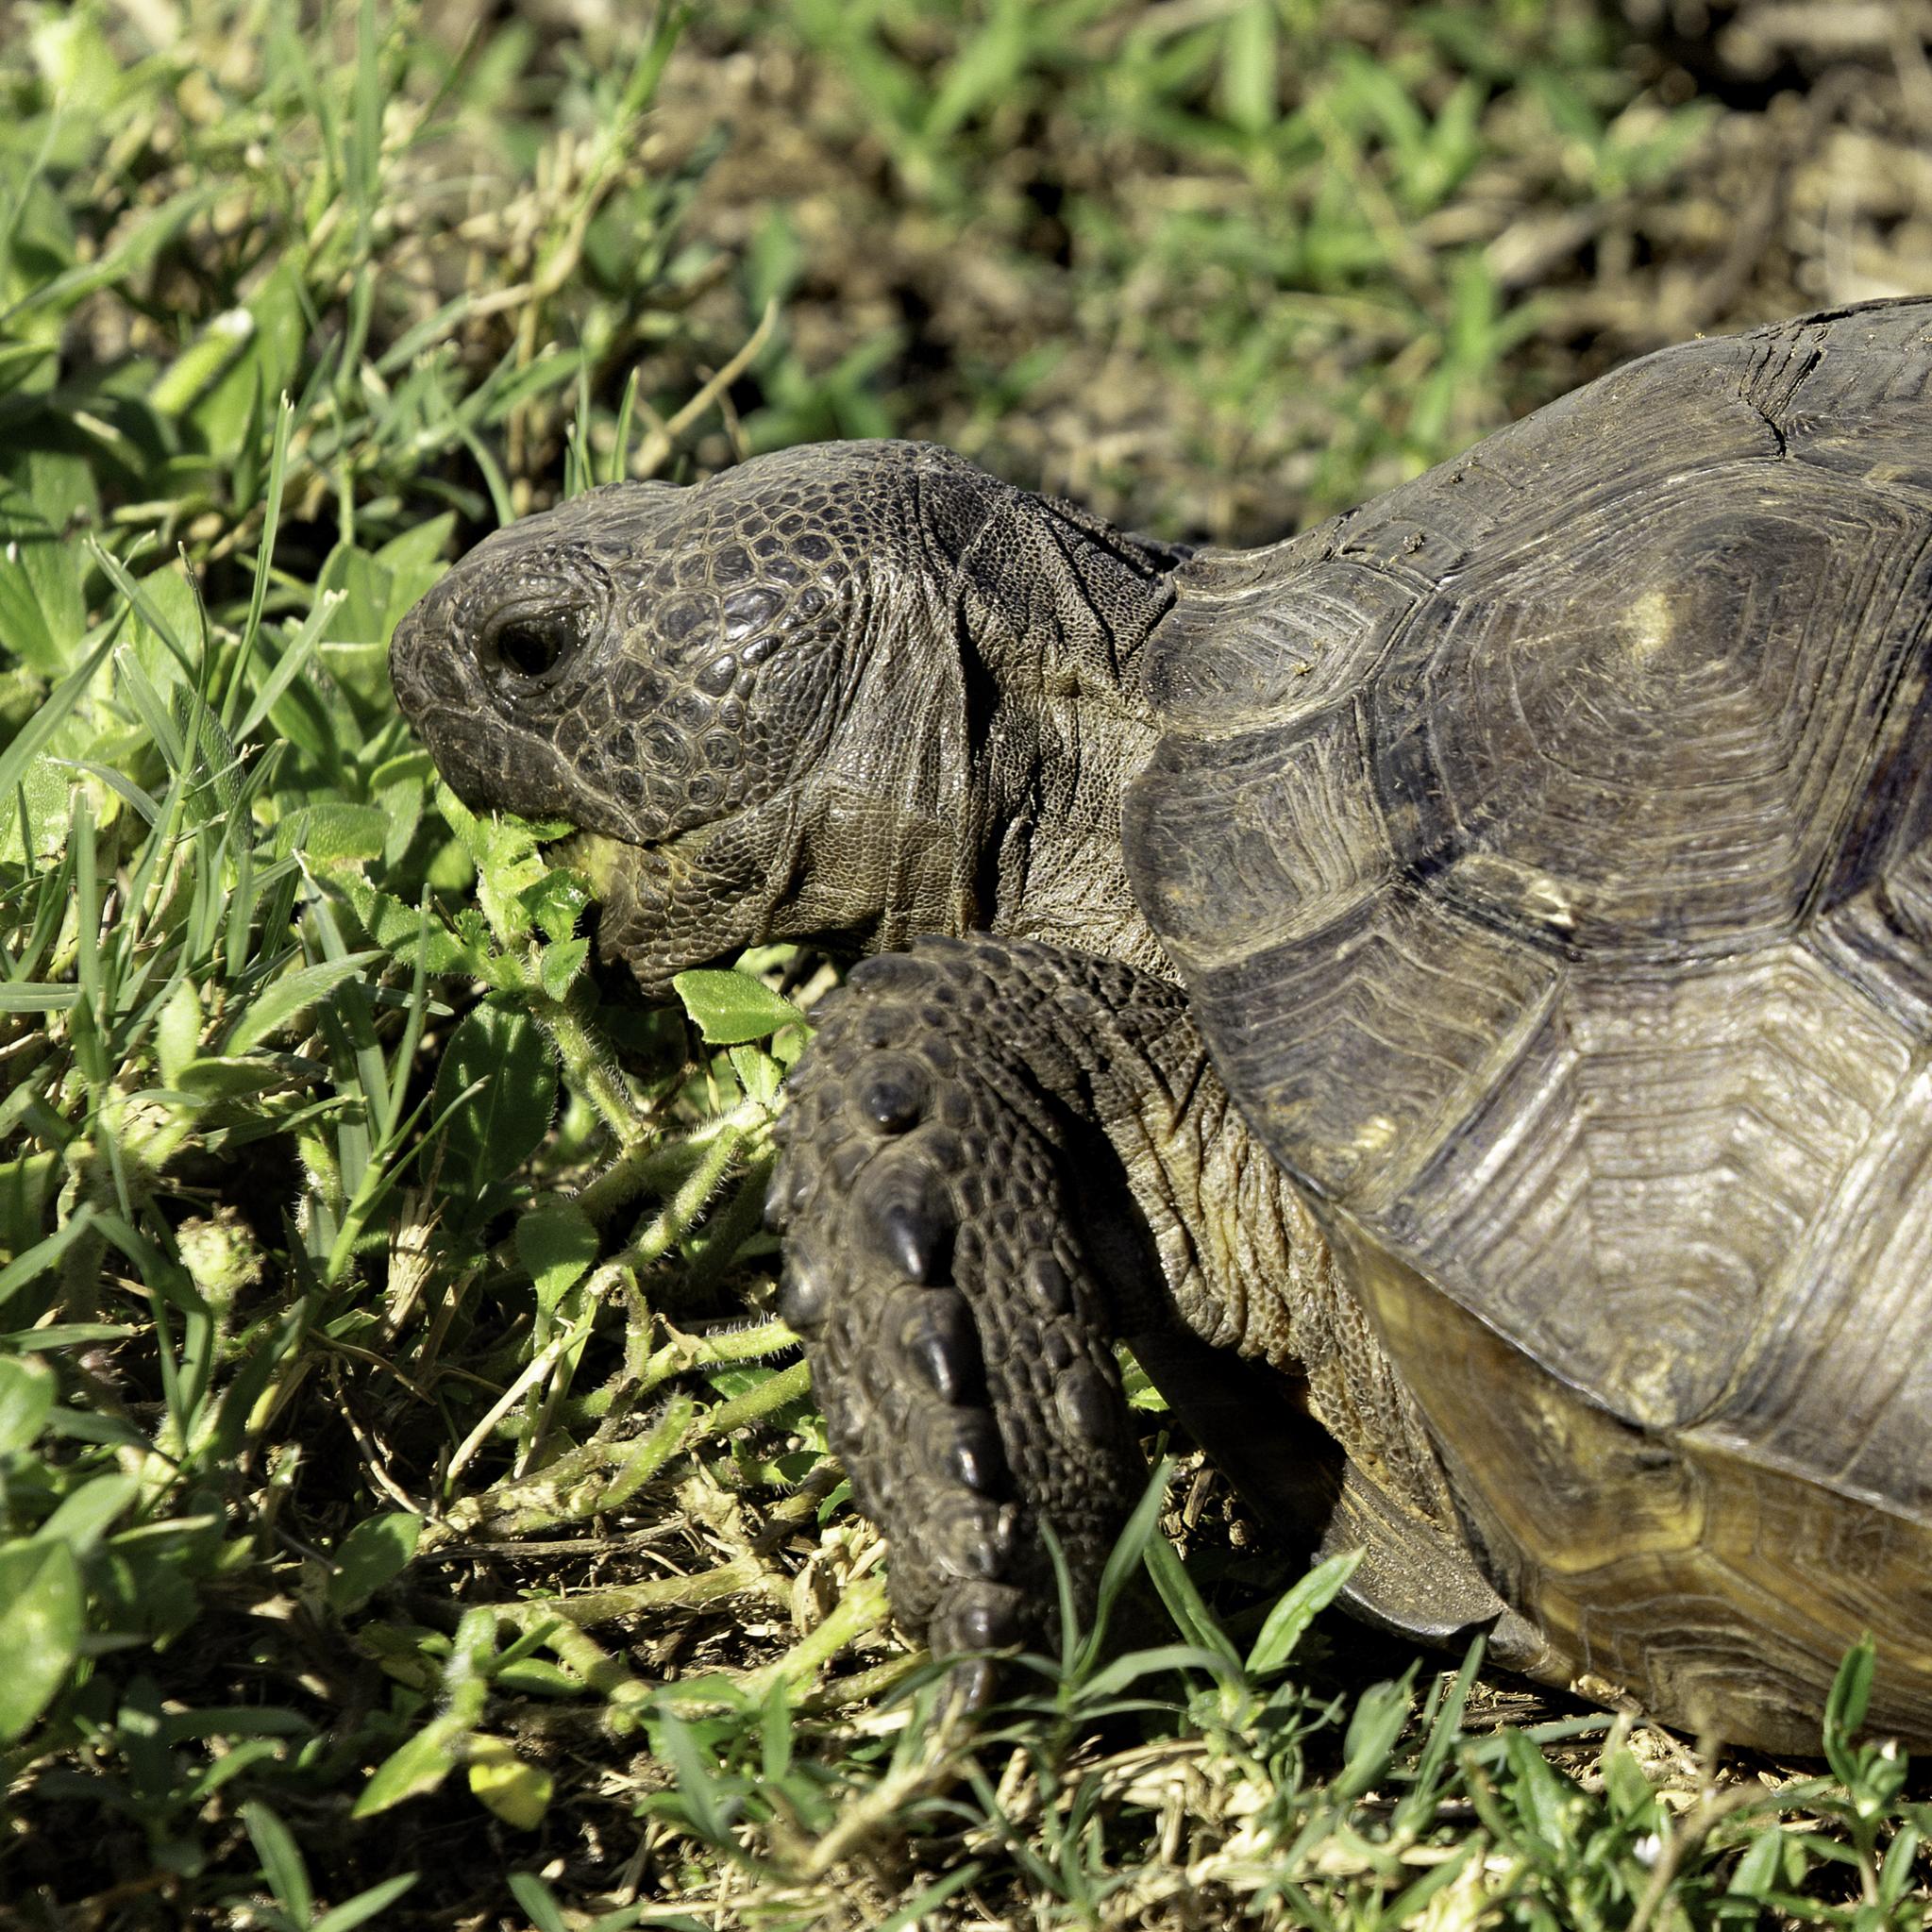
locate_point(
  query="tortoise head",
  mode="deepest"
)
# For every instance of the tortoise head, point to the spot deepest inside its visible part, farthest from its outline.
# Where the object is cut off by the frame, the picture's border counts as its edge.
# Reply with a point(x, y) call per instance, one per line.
point(769, 699)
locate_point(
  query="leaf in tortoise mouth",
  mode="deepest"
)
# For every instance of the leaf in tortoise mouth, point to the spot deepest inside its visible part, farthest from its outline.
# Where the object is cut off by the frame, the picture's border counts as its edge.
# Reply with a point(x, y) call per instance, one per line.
point(600, 859)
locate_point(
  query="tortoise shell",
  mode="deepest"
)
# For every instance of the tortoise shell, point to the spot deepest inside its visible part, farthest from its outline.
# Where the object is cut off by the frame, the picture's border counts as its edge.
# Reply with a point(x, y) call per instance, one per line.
point(1544, 848)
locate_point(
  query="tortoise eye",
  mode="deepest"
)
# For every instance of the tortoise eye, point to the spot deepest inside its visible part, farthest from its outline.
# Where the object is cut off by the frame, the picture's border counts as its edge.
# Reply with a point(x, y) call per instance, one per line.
point(532, 648)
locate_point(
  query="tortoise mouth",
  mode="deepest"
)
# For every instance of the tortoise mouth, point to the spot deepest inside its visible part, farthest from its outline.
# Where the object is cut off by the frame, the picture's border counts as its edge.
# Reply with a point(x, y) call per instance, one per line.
point(651, 906)
point(639, 877)
point(533, 783)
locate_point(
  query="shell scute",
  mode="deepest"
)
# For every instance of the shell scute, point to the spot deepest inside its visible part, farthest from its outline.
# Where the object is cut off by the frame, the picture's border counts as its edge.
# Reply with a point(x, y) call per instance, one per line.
point(1582, 967)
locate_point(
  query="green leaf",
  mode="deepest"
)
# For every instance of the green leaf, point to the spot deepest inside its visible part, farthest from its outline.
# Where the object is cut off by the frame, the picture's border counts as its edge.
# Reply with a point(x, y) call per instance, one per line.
point(214, 1078)
point(538, 1901)
point(43, 597)
point(1845, 1707)
point(504, 850)
point(136, 244)
point(1250, 68)
point(517, 1792)
point(1288, 1621)
point(1142, 1528)
point(397, 929)
point(1630, 1795)
point(40, 1629)
point(272, 692)
point(167, 616)
point(370, 1555)
point(43, 1254)
point(533, 1677)
point(281, 1860)
point(365, 586)
point(758, 1073)
point(1901, 1866)
point(27, 1182)
point(338, 832)
point(19, 359)
point(28, 996)
point(178, 1032)
point(560, 965)
point(284, 1002)
point(402, 798)
point(83, 1516)
point(200, 364)
point(1124, 1671)
point(697, 1774)
point(27, 741)
point(365, 1905)
point(1186, 1607)
point(26, 1395)
point(1379, 1721)
point(268, 365)
point(415, 561)
point(1547, 1803)
point(41, 818)
point(554, 902)
point(414, 1768)
point(1760, 1870)
point(557, 1243)
point(500, 1052)
point(731, 1008)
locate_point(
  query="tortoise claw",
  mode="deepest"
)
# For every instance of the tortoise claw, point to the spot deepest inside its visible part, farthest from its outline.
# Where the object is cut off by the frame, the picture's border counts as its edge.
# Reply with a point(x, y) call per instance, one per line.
point(940, 1337)
point(915, 1235)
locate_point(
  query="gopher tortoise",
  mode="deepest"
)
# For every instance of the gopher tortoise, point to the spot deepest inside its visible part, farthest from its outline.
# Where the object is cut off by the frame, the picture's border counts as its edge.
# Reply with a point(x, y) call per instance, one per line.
point(1452, 989)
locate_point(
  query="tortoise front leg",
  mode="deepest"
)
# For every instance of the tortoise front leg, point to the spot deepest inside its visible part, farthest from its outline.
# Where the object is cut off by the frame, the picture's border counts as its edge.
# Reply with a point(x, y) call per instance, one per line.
point(955, 1314)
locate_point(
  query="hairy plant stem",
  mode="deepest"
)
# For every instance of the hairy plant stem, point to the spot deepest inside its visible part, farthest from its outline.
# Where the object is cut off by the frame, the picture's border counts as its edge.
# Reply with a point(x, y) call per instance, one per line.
point(680, 1214)
point(743, 1575)
point(591, 1072)
point(861, 1609)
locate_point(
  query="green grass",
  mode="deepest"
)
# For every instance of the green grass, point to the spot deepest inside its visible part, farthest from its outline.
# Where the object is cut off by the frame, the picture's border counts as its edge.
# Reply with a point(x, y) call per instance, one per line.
point(393, 1527)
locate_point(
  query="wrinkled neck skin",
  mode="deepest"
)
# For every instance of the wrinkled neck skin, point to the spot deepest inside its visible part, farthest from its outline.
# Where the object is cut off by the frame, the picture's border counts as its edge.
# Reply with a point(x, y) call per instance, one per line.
point(1031, 721)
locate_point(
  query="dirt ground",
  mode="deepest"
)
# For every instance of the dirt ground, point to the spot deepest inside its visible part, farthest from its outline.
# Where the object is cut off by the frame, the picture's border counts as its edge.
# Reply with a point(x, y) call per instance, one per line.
point(1809, 186)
